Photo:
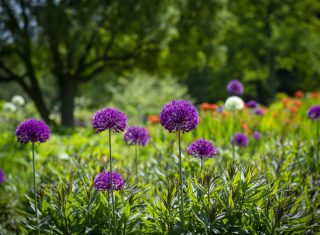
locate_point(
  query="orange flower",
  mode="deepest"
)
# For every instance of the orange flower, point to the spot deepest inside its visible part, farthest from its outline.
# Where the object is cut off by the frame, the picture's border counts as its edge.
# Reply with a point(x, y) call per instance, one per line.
point(264, 109)
point(245, 126)
point(299, 94)
point(297, 103)
point(207, 106)
point(204, 106)
point(153, 119)
point(285, 102)
point(288, 121)
point(293, 109)
point(315, 95)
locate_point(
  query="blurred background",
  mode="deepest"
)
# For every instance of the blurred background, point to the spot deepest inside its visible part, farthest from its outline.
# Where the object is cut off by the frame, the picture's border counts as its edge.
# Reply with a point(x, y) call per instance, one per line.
point(67, 58)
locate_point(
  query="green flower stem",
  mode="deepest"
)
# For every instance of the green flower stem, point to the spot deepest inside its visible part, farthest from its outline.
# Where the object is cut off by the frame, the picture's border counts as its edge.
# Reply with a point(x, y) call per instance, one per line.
point(136, 160)
point(34, 188)
point(181, 181)
point(110, 162)
point(201, 165)
point(318, 139)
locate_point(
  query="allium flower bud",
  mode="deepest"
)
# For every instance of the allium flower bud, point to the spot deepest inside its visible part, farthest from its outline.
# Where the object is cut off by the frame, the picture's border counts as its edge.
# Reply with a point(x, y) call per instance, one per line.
point(240, 139)
point(102, 182)
point(136, 135)
point(235, 87)
point(18, 100)
point(33, 131)
point(201, 149)
point(2, 177)
point(314, 112)
point(258, 112)
point(252, 104)
point(109, 119)
point(179, 115)
point(257, 135)
point(234, 103)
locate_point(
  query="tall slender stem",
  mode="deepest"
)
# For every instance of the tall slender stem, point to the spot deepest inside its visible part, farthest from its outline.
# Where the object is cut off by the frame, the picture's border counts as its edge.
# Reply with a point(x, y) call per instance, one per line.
point(201, 165)
point(318, 139)
point(233, 133)
point(181, 181)
point(110, 162)
point(34, 188)
point(109, 219)
point(136, 161)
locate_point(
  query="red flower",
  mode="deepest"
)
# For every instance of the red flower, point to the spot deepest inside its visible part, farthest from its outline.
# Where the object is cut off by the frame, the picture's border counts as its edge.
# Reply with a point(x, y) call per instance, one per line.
point(153, 119)
point(299, 94)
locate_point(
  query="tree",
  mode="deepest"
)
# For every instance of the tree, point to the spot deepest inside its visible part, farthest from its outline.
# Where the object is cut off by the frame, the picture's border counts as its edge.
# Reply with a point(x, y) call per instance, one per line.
point(72, 41)
point(272, 41)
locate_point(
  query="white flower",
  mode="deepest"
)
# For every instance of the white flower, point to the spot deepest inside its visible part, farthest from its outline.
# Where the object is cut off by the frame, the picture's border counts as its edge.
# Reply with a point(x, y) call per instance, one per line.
point(8, 106)
point(234, 103)
point(18, 100)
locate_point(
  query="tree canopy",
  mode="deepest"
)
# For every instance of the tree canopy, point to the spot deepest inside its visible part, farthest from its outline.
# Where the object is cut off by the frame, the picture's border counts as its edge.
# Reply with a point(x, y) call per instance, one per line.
point(56, 46)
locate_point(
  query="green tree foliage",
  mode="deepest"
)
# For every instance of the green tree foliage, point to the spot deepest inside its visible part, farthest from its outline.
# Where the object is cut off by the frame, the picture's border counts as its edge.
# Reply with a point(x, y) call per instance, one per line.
point(51, 47)
point(71, 42)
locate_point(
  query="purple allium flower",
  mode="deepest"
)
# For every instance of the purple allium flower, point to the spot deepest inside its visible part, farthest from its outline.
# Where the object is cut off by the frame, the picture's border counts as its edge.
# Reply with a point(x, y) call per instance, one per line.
point(2, 176)
point(235, 87)
point(240, 139)
point(252, 104)
point(257, 135)
point(314, 112)
point(258, 112)
point(220, 109)
point(179, 115)
point(201, 149)
point(33, 131)
point(102, 182)
point(109, 119)
point(136, 135)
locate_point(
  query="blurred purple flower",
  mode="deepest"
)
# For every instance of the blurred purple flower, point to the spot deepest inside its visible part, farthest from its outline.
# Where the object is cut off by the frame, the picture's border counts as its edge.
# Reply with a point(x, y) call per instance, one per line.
point(109, 119)
point(257, 135)
point(220, 109)
point(179, 115)
point(33, 131)
point(136, 135)
point(201, 149)
point(314, 112)
point(235, 87)
point(102, 182)
point(258, 112)
point(2, 177)
point(240, 139)
point(252, 104)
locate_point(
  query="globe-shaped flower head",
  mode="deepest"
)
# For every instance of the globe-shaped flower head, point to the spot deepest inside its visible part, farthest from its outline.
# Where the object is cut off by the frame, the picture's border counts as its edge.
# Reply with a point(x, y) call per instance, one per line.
point(314, 112)
point(18, 100)
point(252, 104)
point(234, 103)
point(179, 115)
point(258, 112)
point(2, 176)
point(102, 182)
point(240, 139)
point(109, 119)
point(136, 135)
point(235, 87)
point(33, 131)
point(257, 135)
point(201, 149)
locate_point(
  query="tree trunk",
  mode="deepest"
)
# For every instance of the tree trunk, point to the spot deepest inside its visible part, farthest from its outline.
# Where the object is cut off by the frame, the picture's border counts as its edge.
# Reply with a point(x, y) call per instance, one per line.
point(68, 92)
point(35, 94)
point(41, 107)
